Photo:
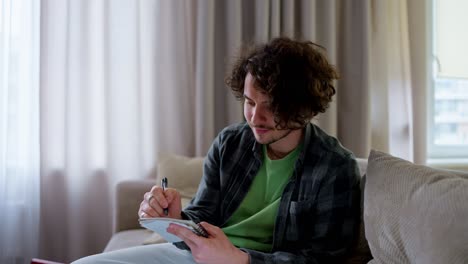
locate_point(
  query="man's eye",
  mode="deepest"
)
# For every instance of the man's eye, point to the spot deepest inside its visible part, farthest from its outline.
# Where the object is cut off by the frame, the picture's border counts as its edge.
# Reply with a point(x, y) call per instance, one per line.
point(250, 103)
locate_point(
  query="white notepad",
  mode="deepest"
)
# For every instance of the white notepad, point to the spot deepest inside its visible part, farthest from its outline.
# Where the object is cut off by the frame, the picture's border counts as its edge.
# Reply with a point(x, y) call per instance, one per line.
point(160, 225)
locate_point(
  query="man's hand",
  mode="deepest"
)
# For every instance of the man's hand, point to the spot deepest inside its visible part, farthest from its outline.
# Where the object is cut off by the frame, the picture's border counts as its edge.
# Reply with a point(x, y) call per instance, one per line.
point(156, 200)
point(215, 249)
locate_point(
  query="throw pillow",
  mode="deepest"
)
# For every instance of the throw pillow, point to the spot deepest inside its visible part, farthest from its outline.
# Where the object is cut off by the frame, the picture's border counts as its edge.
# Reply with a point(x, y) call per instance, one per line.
point(184, 174)
point(414, 213)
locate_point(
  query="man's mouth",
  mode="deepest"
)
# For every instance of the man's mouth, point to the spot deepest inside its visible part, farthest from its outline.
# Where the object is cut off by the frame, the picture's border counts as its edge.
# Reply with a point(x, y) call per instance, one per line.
point(261, 130)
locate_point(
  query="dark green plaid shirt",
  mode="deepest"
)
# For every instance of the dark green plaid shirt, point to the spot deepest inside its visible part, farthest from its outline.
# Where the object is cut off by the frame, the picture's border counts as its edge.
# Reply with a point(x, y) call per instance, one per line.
point(318, 216)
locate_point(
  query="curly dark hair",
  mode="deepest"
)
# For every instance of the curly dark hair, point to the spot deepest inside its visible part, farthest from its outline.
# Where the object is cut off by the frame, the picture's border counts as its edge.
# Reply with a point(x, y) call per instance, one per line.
point(295, 74)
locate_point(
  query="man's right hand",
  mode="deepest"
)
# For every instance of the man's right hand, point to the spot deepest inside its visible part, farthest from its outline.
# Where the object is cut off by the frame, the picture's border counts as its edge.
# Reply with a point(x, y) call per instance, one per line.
point(156, 200)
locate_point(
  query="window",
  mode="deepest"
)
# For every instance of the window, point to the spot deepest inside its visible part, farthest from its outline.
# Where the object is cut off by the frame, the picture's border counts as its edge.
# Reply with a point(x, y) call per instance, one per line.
point(448, 115)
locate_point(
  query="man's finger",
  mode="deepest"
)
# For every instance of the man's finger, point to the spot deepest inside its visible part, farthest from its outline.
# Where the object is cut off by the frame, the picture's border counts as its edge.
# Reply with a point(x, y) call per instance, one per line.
point(170, 194)
point(151, 210)
point(187, 235)
point(160, 198)
point(141, 214)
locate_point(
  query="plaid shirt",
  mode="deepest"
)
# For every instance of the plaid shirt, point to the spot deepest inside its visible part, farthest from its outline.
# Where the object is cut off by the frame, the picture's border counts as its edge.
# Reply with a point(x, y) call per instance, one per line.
point(318, 216)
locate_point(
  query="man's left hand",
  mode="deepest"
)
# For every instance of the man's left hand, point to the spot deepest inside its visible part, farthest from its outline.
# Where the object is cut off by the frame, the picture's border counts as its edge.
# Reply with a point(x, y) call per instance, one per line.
point(215, 249)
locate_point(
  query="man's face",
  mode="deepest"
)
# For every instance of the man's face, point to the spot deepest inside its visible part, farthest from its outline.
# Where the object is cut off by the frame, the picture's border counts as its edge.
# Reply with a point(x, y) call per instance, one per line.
point(257, 112)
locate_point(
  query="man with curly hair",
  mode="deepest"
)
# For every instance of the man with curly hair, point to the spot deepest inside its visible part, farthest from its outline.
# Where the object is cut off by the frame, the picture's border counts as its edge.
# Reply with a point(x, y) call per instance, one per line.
point(276, 188)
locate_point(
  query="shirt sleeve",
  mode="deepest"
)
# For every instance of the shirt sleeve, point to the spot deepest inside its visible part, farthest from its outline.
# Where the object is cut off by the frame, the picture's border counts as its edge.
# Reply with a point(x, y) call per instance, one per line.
point(205, 205)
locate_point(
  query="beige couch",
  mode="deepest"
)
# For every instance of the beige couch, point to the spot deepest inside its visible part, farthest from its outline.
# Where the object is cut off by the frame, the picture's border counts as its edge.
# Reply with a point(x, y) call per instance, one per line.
point(385, 209)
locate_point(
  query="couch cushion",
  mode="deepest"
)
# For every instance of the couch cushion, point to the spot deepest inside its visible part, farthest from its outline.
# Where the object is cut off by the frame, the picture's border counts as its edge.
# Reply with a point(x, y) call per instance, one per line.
point(413, 213)
point(362, 164)
point(183, 173)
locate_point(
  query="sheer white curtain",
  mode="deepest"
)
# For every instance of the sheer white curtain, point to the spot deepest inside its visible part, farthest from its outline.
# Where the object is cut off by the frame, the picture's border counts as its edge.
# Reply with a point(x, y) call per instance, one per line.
point(396, 78)
point(117, 85)
point(19, 130)
point(391, 80)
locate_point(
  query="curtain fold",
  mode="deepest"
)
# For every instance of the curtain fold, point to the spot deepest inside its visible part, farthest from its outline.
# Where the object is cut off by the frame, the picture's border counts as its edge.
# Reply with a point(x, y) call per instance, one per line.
point(392, 121)
point(352, 99)
point(123, 80)
point(93, 130)
point(418, 22)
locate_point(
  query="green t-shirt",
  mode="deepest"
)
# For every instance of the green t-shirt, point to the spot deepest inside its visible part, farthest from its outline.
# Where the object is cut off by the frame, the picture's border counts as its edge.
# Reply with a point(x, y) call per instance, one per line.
point(252, 224)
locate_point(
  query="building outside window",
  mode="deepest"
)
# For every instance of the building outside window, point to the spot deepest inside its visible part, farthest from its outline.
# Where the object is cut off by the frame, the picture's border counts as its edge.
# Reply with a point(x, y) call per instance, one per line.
point(448, 115)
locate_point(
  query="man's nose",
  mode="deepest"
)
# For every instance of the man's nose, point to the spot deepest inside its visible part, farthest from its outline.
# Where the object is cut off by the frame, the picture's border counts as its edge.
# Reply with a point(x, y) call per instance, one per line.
point(258, 116)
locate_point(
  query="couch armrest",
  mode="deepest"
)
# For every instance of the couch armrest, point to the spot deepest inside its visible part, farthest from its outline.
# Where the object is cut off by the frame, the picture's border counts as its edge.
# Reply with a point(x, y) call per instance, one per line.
point(129, 196)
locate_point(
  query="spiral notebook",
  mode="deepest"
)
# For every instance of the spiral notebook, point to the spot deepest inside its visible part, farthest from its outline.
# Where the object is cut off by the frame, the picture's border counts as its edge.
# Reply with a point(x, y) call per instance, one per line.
point(160, 225)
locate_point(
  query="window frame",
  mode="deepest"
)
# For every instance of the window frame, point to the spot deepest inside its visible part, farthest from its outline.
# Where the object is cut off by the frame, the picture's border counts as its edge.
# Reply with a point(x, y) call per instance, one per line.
point(436, 153)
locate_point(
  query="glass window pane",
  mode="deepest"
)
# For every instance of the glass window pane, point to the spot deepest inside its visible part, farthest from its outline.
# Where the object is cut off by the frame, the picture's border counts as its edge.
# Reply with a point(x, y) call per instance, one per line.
point(450, 111)
point(448, 105)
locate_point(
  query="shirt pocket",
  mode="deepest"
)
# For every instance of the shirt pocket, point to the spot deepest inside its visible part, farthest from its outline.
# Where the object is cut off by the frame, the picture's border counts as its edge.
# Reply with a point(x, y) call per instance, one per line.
point(300, 219)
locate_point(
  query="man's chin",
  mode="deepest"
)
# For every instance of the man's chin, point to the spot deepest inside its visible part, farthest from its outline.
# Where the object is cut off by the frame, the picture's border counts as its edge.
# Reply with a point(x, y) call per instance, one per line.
point(261, 139)
point(264, 140)
point(270, 138)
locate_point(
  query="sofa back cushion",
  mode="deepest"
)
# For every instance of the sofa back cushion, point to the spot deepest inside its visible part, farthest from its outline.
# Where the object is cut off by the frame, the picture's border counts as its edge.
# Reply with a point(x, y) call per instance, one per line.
point(183, 173)
point(362, 164)
point(415, 214)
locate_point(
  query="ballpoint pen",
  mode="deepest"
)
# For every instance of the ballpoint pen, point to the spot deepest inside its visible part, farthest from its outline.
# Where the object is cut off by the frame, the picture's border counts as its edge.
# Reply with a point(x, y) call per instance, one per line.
point(164, 186)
